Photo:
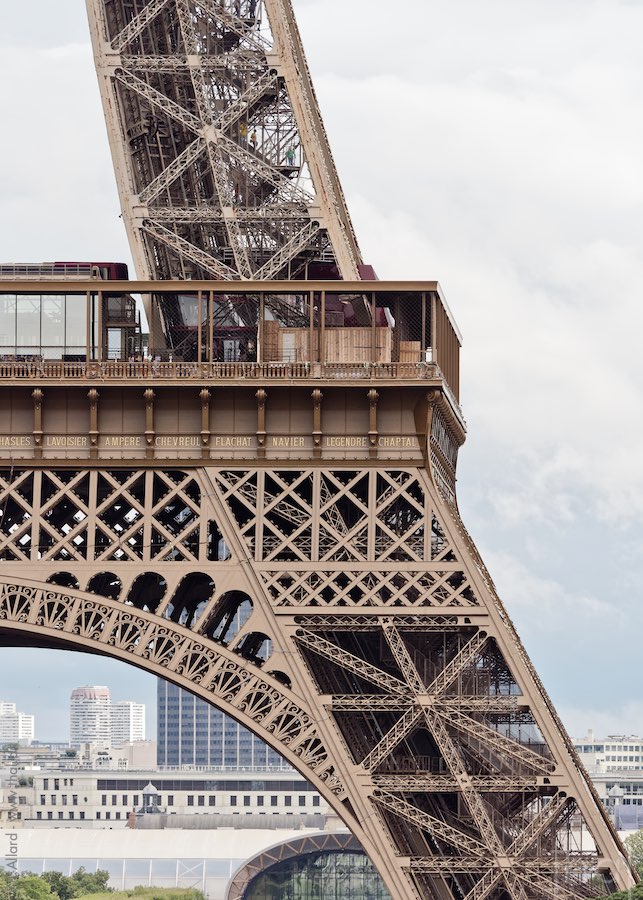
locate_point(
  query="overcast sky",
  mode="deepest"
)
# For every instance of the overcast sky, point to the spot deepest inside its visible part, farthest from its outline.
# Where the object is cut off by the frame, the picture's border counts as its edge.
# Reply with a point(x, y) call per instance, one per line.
point(497, 148)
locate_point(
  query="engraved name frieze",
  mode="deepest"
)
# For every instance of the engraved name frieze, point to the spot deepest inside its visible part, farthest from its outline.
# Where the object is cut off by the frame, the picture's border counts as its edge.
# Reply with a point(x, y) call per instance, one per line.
point(15, 440)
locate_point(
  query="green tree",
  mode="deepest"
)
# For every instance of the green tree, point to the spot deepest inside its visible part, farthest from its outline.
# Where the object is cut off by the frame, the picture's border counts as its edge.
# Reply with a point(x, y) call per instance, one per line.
point(60, 884)
point(634, 846)
point(635, 893)
point(32, 887)
point(89, 882)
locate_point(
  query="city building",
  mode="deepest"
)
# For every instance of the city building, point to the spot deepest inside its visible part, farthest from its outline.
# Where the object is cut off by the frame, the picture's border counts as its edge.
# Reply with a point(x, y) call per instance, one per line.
point(98, 799)
point(90, 718)
point(15, 727)
point(615, 753)
point(191, 732)
point(128, 722)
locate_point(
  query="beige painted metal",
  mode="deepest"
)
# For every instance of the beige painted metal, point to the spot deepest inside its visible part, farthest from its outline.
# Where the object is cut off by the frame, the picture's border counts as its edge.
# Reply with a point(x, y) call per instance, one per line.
point(377, 657)
point(221, 158)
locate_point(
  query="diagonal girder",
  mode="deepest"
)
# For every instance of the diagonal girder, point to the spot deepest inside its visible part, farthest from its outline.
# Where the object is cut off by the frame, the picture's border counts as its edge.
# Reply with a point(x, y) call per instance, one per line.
point(439, 829)
point(156, 98)
point(235, 25)
point(471, 796)
point(545, 819)
point(175, 169)
point(402, 657)
point(499, 743)
point(350, 662)
point(289, 250)
point(136, 25)
point(554, 890)
point(459, 663)
point(254, 164)
point(181, 246)
point(235, 111)
point(402, 728)
point(485, 886)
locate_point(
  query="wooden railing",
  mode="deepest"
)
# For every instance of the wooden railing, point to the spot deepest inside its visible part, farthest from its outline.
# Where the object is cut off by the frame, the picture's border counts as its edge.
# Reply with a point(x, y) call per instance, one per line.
point(114, 370)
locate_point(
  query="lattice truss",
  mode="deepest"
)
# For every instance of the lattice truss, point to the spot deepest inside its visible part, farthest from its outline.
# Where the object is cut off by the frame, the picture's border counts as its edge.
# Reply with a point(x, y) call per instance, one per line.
point(259, 589)
point(223, 164)
point(425, 703)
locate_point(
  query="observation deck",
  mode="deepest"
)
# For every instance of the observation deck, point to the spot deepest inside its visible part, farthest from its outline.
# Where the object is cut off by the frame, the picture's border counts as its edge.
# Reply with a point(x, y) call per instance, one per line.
point(224, 370)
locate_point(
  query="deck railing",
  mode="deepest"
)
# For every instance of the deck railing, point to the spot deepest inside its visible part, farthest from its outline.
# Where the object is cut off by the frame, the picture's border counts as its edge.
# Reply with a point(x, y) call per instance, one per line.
point(115, 370)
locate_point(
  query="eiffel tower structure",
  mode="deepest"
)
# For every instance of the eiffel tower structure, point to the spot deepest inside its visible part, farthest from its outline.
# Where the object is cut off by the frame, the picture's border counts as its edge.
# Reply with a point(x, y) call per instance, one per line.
point(261, 509)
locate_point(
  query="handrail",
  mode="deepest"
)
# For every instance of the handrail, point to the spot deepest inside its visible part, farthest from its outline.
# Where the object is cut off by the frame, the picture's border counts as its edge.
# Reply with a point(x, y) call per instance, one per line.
point(117, 370)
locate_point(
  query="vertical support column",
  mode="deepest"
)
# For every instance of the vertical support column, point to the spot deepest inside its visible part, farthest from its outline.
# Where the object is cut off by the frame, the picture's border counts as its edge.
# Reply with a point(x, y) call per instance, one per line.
point(93, 397)
point(205, 396)
point(211, 324)
point(373, 435)
point(322, 330)
point(423, 342)
point(261, 397)
point(312, 359)
point(88, 327)
point(374, 356)
point(199, 328)
point(99, 328)
point(37, 396)
point(148, 396)
point(261, 352)
point(317, 398)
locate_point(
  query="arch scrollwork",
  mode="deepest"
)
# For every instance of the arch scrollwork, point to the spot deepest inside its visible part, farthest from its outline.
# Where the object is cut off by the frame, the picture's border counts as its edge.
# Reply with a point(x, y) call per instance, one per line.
point(215, 673)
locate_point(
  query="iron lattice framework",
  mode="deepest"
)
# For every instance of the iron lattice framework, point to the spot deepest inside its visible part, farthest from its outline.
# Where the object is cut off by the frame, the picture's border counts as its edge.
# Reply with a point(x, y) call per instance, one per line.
point(374, 653)
point(222, 162)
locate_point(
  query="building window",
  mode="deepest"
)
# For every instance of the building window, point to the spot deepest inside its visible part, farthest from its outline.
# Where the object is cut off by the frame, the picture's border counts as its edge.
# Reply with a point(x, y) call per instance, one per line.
point(63, 799)
point(170, 800)
point(233, 800)
point(53, 799)
point(98, 815)
point(43, 799)
point(135, 800)
point(39, 815)
point(71, 815)
point(288, 800)
point(45, 784)
point(246, 801)
point(201, 800)
point(212, 800)
point(118, 815)
point(316, 801)
point(74, 799)
point(124, 799)
point(108, 815)
point(114, 799)
point(302, 800)
point(56, 784)
point(103, 800)
point(50, 815)
point(190, 799)
point(273, 800)
point(260, 800)
point(82, 814)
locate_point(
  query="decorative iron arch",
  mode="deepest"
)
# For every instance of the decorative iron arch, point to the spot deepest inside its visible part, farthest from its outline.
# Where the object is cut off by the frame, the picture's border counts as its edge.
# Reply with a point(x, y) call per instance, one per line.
point(33, 612)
